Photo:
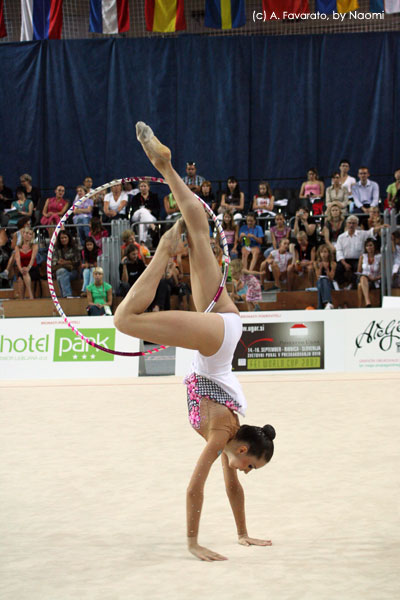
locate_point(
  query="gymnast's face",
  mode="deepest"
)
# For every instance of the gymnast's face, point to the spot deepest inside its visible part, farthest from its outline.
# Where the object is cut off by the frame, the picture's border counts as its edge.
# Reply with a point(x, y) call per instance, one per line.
point(241, 460)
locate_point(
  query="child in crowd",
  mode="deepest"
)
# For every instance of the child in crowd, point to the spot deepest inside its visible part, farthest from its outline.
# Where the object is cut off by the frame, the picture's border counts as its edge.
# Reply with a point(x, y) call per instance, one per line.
point(324, 268)
point(251, 237)
point(231, 231)
point(277, 263)
point(304, 255)
point(128, 238)
point(98, 233)
point(278, 231)
point(245, 286)
point(263, 201)
point(369, 269)
point(89, 262)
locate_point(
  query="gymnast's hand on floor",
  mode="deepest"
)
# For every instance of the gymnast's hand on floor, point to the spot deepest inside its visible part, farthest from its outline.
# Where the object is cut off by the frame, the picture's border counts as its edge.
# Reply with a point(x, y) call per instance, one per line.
point(245, 540)
point(204, 553)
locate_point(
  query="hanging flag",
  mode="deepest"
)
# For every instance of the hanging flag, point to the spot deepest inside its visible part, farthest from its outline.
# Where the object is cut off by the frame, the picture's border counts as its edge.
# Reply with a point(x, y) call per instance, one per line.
point(41, 20)
point(225, 14)
point(285, 9)
point(109, 16)
point(392, 6)
point(165, 15)
point(339, 6)
point(3, 30)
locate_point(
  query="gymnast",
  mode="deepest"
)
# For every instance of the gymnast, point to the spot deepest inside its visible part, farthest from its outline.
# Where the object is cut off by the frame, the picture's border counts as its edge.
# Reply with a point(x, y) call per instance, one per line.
point(214, 394)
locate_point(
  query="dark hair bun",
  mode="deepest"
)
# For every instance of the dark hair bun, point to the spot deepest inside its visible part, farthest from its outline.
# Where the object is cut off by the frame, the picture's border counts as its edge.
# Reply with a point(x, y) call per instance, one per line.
point(269, 432)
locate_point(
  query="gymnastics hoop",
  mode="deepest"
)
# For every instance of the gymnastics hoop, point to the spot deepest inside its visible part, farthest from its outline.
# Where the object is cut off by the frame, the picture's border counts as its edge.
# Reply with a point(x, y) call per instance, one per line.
point(225, 260)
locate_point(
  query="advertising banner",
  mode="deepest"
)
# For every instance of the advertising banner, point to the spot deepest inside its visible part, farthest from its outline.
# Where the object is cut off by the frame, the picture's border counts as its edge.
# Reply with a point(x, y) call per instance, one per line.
point(43, 348)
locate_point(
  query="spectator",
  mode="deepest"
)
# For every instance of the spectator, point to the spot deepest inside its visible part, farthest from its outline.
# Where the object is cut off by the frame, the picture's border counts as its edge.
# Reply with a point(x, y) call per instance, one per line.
point(66, 262)
point(232, 199)
point(346, 180)
point(251, 237)
point(6, 197)
point(337, 193)
point(277, 263)
point(334, 225)
point(278, 232)
point(88, 184)
point(130, 269)
point(245, 286)
point(396, 258)
point(231, 232)
point(25, 259)
point(374, 218)
point(393, 193)
point(144, 207)
point(192, 180)
point(301, 224)
point(128, 238)
point(312, 193)
point(89, 262)
point(324, 268)
point(177, 287)
point(369, 267)
point(22, 207)
point(263, 201)
point(365, 192)
point(304, 256)
point(207, 195)
point(16, 239)
point(349, 248)
point(98, 233)
point(54, 208)
point(171, 207)
point(82, 214)
point(115, 202)
point(5, 254)
point(99, 294)
point(32, 193)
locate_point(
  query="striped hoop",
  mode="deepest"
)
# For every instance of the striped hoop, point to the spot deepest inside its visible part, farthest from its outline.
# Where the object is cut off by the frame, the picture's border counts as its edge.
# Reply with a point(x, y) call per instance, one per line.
point(225, 260)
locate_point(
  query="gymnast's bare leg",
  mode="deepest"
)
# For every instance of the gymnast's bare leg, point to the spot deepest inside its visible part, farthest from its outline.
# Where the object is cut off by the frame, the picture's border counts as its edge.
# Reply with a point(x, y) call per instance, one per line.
point(194, 330)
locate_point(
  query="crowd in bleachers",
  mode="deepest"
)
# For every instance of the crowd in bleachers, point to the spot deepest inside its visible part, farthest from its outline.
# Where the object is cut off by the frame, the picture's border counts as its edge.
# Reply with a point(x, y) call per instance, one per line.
point(315, 237)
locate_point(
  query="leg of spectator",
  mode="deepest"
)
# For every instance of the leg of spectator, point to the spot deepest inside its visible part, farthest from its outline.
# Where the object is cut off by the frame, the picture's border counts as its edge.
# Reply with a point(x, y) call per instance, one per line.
point(364, 283)
point(64, 281)
point(277, 275)
point(28, 285)
point(290, 277)
point(245, 257)
point(254, 258)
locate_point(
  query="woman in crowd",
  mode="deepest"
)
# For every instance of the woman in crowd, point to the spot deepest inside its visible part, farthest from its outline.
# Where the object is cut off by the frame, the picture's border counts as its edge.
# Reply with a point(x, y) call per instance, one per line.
point(334, 225)
point(82, 214)
point(130, 269)
point(66, 262)
point(114, 205)
point(99, 295)
point(171, 207)
point(144, 207)
point(207, 195)
point(263, 201)
point(25, 260)
point(128, 239)
point(98, 233)
point(232, 199)
point(301, 224)
point(304, 256)
point(337, 193)
point(324, 268)
point(54, 208)
point(22, 207)
point(374, 218)
point(312, 192)
point(369, 268)
point(89, 262)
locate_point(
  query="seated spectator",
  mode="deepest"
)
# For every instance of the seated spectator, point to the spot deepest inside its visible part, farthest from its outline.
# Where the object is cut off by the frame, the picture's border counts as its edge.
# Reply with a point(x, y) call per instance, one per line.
point(349, 248)
point(5, 254)
point(98, 233)
point(177, 287)
point(82, 214)
point(21, 207)
point(374, 218)
point(232, 200)
point(245, 286)
point(334, 225)
point(114, 205)
point(279, 231)
point(277, 263)
point(128, 238)
point(312, 193)
point(89, 262)
point(392, 200)
point(346, 180)
point(25, 260)
point(54, 208)
point(130, 269)
point(369, 269)
point(263, 201)
point(171, 207)
point(88, 184)
point(192, 180)
point(99, 295)
point(301, 224)
point(207, 195)
point(365, 193)
point(396, 258)
point(66, 262)
point(231, 232)
point(324, 268)
point(337, 193)
point(32, 193)
point(144, 207)
point(6, 197)
point(251, 237)
point(8, 272)
point(304, 256)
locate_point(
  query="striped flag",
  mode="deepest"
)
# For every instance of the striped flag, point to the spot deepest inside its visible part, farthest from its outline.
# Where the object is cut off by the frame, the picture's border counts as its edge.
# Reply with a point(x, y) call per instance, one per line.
point(165, 15)
point(340, 6)
point(280, 9)
point(389, 6)
point(109, 16)
point(225, 14)
point(3, 30)
point(41, 20)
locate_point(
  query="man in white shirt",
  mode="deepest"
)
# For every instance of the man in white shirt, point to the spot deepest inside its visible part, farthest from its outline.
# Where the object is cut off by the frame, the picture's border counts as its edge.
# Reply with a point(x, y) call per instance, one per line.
point(350, 246)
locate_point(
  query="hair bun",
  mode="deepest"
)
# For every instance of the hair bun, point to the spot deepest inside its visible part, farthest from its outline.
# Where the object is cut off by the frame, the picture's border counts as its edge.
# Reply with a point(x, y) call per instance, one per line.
point(269, 432)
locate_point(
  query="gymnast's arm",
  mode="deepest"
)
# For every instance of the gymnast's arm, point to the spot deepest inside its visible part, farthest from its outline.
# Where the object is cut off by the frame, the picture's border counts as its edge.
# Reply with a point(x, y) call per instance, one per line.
point(195, 493)
point(235, 495)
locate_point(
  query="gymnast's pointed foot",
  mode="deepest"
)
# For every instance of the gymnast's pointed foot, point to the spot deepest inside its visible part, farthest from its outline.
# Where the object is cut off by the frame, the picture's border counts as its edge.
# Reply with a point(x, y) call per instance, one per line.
point(158, 154)
point(175, 238)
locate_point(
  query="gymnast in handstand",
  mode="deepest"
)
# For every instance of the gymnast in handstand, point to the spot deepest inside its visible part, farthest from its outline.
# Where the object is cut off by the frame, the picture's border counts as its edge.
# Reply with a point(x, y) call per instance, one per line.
point(215, 396)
